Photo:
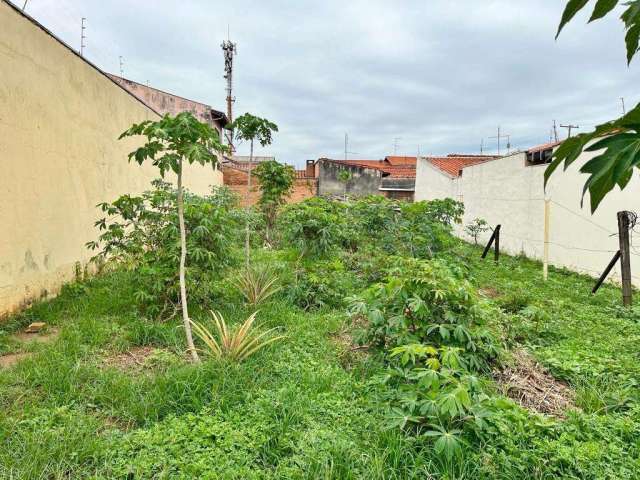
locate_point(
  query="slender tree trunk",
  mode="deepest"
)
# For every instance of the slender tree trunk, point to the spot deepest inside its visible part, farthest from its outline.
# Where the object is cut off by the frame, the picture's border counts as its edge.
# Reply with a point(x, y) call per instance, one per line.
point(183, 257)
point(247, 233)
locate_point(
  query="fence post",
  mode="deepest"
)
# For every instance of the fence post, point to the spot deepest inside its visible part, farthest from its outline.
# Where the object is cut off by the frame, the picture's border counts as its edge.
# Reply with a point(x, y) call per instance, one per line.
point(545, 261)
point(497, 241)
point(625, 258)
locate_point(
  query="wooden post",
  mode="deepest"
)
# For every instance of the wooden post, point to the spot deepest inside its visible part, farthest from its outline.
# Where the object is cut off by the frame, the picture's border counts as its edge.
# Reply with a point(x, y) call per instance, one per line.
point(545, 260)
point(625, 258)
point(489, 243)
point(497, 251)
point(606, 272)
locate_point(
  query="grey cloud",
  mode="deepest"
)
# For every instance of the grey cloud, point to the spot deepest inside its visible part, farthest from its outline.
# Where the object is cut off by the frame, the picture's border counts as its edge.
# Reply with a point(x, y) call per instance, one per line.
point(438, 73)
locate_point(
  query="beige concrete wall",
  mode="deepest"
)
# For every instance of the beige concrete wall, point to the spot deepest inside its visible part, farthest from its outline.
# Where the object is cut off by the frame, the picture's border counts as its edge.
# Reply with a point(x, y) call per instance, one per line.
point(507, 192)
point(59, 156)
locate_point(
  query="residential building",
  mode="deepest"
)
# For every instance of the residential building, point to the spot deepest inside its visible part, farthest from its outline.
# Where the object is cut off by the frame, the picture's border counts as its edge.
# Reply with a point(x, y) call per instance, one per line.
point(393, 177)
point(509, 191)
point(235, 176)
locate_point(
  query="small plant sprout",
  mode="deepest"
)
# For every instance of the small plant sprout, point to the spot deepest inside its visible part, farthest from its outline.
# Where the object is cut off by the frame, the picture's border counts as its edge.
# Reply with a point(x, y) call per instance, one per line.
point(276, 183)
point(475, 228)
point(233, 344)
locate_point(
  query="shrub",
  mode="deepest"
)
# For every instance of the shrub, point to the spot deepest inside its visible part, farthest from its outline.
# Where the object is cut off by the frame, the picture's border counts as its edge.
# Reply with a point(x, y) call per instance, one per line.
point(476, 228)
point(142, 233)
point(316, 226)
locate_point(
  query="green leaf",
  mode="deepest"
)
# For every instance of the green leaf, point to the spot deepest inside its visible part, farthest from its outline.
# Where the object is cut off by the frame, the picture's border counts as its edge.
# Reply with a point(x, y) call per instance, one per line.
point(632, 39)
point(602, 8)
point(572, 8)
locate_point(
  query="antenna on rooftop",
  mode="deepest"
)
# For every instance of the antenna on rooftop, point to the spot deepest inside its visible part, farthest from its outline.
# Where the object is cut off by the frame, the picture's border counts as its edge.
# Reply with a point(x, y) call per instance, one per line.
point(82, 37)
point(229, 50)
point(569, 128)
point(121, 66)
point(624, 110)
point(481, 146)
point(502, 135)
point(395, 145)
point(25, 5)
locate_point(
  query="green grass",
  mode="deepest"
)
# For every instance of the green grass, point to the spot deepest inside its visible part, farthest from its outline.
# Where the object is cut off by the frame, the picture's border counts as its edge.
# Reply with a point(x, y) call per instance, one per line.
point(293, 410)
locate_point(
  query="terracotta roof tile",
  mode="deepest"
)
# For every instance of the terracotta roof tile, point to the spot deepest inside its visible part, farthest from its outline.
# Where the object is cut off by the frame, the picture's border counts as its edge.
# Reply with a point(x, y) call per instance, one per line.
point(452, 164)
point(397, 161)
point(543, 147)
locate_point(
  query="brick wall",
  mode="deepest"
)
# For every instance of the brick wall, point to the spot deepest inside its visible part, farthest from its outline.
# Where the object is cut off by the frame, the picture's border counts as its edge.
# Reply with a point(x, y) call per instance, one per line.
point(236, 180)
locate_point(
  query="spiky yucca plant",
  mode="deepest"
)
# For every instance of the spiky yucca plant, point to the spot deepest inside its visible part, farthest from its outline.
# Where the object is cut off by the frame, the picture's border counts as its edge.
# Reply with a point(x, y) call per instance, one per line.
point(233, 344)
point(257, 284)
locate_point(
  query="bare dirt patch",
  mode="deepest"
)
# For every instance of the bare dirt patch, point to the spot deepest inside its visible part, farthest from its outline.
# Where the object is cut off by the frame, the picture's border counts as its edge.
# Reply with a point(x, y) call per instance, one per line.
point(531, 386)
point(11, 359)
point(43, 336)
point(133, 359)
point(489, 292)
point(349, 352)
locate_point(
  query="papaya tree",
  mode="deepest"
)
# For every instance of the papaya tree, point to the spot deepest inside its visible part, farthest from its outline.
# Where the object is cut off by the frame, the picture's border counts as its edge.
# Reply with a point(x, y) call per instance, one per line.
point(618, 141)
point(251, 128)
point(276, 184)
point(170, 143)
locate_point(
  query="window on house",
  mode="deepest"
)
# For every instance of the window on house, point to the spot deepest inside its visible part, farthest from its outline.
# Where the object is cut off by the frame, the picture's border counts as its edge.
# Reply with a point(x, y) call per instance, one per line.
point(540, 158)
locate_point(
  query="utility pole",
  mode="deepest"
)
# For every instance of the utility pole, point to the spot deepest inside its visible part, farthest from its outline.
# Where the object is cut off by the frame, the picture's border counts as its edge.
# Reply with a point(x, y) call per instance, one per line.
point(501, 135)
point(82, 37)
point(229, 50)
point(624, 110)
point(121, 66)
point(569, 128)
point(555, 130)
point(346, 144)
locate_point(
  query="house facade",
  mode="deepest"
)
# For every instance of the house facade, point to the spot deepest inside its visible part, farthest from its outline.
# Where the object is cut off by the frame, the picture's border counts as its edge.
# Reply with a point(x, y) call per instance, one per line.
point(509, 191)
point(393, 177)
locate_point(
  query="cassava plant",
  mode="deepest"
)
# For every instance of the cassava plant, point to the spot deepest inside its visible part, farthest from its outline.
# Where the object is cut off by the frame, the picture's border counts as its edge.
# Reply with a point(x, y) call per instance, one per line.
point(251, 128)
point(170, 142)
point(234, 344)
point(276, 184)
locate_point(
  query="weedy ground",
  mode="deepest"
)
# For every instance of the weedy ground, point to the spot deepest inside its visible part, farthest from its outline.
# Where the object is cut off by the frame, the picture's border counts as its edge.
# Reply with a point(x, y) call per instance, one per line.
point(113, 395)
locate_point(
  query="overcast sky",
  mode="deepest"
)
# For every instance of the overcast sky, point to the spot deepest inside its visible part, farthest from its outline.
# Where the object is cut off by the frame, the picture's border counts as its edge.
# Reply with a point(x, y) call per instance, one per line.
point(437, 75)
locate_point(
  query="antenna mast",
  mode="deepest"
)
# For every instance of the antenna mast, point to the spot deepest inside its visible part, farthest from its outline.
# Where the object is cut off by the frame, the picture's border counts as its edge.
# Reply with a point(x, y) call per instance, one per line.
point(82, 37)
point(229, 51)
point(121, 66)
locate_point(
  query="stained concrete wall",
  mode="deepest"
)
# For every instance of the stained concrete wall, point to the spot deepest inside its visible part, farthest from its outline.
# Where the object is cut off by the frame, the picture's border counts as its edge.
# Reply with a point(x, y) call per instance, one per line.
point(364, 181)
point(60, 119)
point(508, 192)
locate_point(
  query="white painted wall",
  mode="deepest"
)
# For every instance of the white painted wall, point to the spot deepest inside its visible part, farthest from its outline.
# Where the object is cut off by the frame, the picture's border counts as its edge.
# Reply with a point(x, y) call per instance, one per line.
point(507, 192)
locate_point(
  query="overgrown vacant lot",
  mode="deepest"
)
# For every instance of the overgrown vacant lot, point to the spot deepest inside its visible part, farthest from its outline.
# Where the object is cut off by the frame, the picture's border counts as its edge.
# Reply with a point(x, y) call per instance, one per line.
point(401, 352)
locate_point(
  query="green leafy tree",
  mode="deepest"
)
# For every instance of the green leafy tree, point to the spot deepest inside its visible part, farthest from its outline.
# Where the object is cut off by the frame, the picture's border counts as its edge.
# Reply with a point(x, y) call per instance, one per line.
point(276, 184)
point(251, 128)
point(170, 142)
point(617, 140)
